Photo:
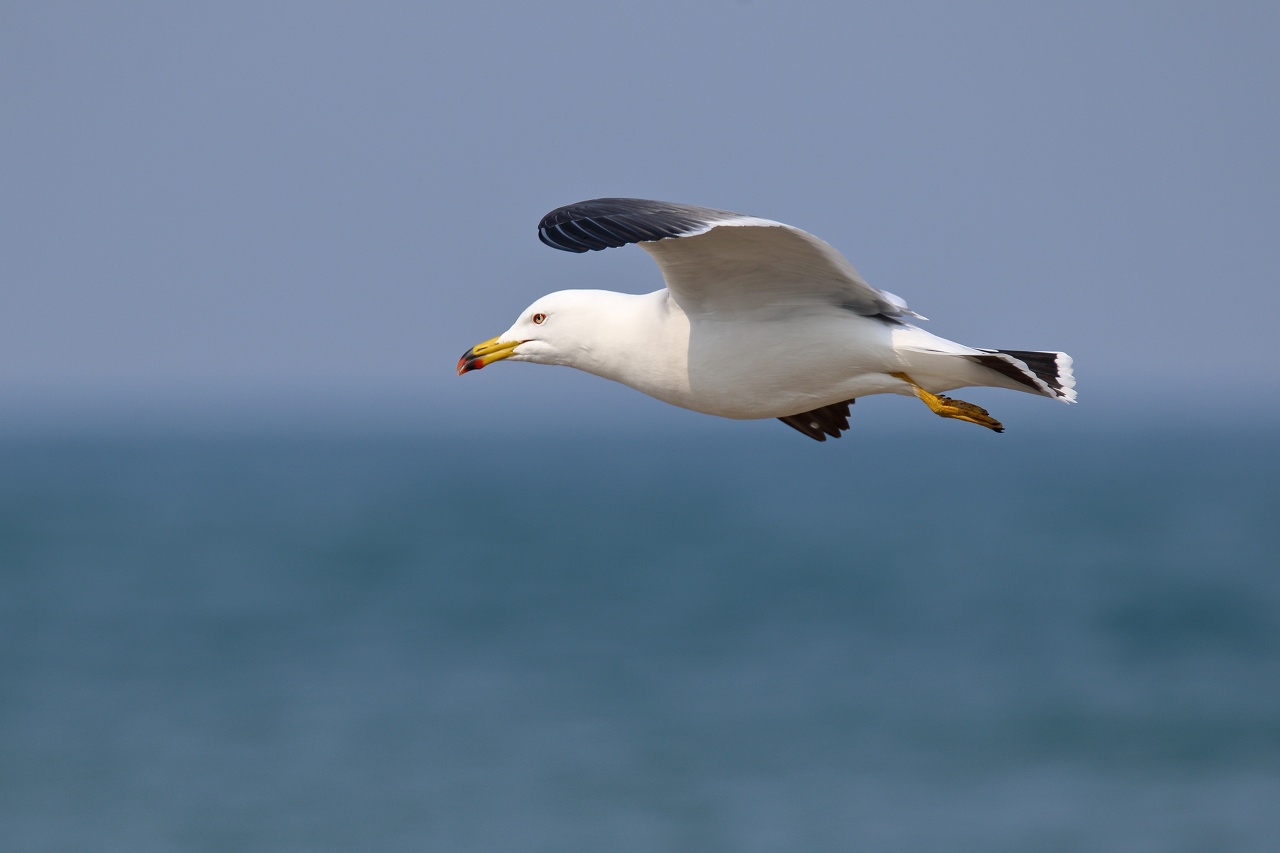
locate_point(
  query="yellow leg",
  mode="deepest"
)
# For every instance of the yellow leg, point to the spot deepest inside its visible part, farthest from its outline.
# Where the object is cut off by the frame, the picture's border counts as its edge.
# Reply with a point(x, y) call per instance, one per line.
point(949, 408)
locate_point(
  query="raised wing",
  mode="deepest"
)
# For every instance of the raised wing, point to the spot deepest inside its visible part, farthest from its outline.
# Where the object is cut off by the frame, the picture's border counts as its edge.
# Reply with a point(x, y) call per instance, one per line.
point(720, 262)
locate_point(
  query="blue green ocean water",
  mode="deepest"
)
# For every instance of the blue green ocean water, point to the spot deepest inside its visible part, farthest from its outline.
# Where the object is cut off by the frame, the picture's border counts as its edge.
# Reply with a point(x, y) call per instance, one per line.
point(725, 641)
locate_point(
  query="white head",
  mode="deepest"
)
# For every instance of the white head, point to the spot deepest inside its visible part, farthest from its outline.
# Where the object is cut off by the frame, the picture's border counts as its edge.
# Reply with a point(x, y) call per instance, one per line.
point(567, 327)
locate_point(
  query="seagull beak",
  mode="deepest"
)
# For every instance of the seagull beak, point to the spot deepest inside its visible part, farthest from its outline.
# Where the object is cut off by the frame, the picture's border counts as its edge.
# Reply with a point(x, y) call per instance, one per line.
point(486, 353)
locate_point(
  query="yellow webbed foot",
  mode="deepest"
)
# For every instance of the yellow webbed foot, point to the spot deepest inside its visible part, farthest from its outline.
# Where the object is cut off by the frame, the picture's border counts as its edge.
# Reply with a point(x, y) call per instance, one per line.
point(949, 408)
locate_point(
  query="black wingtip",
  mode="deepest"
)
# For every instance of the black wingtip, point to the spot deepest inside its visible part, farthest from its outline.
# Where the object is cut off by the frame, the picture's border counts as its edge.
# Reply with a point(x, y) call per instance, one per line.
point(821, 422)
point(607, 223)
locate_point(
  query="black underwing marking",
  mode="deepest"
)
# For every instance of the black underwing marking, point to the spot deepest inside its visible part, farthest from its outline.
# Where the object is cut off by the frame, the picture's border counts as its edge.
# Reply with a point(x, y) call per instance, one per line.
point(821, 422)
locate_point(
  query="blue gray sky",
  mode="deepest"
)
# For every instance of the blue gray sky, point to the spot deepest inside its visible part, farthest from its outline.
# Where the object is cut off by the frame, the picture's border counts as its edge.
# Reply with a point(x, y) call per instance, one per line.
point(275, 206)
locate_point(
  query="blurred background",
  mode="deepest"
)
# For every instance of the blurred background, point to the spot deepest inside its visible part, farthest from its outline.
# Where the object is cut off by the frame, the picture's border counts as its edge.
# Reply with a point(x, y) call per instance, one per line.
point(273, 577)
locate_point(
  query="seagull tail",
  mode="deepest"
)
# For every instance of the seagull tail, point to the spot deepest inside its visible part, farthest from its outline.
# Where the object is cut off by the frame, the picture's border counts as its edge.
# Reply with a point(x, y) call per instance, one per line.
point(1045, 373)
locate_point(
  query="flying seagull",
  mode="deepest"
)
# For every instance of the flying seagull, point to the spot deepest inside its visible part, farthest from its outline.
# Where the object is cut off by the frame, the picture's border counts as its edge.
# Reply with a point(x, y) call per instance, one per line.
point(758, 320)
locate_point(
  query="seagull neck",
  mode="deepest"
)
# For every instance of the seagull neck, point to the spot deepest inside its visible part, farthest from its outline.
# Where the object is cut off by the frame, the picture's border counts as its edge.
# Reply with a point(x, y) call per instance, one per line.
point(634, 338)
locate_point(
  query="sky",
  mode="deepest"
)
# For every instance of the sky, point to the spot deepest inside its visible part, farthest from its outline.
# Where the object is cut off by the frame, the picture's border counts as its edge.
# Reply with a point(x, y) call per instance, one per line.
point(315, 207)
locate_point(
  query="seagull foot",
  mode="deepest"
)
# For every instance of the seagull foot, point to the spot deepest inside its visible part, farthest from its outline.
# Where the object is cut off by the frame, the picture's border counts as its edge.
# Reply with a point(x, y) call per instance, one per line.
point(960, 410)
point(949, 408)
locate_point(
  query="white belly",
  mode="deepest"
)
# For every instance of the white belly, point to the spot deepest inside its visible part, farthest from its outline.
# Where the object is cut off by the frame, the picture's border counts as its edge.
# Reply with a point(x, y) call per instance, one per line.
point(781, 367)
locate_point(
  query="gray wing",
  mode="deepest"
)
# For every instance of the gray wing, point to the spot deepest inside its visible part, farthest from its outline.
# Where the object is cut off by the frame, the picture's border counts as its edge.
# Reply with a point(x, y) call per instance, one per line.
point(718, 261)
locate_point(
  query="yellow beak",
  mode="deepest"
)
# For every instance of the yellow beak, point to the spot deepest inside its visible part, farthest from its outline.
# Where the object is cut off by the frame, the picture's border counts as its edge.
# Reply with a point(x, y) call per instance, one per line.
point(486, 353)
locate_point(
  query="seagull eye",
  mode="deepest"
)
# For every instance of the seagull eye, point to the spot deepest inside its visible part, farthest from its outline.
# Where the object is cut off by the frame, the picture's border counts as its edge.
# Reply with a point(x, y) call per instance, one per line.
point(539, 319)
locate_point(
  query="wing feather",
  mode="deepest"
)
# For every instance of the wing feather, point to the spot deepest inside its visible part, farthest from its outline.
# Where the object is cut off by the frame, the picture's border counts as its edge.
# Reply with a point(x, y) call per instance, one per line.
point(721, 262)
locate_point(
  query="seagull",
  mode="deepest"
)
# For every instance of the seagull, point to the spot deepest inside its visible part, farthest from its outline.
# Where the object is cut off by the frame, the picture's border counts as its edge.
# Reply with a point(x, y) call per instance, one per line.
point(758, 320)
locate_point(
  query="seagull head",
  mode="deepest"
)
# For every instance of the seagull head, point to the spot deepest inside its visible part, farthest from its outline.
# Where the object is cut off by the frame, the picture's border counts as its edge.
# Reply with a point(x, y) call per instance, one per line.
point(557, 329)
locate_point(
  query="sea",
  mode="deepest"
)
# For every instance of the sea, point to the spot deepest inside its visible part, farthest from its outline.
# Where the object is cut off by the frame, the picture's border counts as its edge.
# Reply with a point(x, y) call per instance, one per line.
point(731, 639)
